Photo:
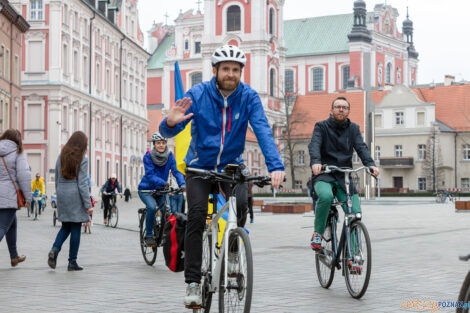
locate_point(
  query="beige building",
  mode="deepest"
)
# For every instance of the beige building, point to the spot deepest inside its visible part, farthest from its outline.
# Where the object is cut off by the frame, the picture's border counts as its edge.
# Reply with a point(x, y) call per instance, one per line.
point(12, 26)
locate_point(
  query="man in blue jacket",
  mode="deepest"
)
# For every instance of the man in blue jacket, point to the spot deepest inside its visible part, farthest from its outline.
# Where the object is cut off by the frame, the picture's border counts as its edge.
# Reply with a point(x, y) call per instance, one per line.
point(220, 110)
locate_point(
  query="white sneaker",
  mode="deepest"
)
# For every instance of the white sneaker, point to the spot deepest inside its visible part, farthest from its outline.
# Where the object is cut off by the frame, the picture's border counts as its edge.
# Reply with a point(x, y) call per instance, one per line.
point(193, 295)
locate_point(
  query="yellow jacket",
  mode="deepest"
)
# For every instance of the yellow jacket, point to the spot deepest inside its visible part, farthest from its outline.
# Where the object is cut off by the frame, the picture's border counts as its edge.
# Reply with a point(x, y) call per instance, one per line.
point(35, 184)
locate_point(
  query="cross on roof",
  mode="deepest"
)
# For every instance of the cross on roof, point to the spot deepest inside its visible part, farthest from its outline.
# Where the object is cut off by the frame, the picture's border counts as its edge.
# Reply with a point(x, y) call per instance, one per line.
point(199, 5)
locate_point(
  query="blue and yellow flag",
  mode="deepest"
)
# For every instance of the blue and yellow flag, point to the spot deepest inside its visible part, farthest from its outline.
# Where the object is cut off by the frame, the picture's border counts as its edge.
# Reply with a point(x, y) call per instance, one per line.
point(183, 139)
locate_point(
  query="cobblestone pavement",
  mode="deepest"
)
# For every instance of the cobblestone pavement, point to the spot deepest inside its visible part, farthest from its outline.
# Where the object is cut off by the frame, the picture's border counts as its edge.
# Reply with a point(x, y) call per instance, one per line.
point(415, 257)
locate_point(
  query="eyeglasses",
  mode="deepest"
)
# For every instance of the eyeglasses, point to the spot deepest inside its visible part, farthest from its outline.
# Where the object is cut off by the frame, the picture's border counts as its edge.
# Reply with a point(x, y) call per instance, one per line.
point(339, 107)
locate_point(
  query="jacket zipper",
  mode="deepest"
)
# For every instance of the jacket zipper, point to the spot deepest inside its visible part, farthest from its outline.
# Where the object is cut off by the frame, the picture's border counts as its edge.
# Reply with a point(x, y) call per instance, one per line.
point(224, 111)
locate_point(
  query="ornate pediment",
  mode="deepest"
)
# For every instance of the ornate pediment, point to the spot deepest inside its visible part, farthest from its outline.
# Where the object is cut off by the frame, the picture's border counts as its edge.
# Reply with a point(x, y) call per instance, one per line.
point(35, 34)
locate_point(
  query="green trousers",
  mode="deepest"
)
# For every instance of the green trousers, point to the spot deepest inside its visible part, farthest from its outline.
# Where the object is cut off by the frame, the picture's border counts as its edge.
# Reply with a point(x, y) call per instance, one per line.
point(324, 191)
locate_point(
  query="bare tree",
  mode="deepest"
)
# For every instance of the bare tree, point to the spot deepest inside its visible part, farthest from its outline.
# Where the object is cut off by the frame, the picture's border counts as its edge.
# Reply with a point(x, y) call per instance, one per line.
point(433, 160)
point(290, 142)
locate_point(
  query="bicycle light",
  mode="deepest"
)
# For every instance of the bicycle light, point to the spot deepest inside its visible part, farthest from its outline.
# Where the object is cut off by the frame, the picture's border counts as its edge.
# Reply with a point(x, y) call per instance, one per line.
point(358, 216)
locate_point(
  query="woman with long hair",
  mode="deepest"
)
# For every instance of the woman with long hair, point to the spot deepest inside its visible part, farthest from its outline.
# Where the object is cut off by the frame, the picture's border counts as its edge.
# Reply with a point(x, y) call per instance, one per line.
point(73, 197)
point(14, 174)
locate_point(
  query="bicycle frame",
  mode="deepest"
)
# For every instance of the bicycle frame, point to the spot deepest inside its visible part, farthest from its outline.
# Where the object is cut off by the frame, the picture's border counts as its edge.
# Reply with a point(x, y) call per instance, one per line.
point(216, 267)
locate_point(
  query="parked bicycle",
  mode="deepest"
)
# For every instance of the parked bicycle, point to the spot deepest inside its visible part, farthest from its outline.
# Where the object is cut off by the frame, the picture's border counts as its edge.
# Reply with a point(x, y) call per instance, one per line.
point(150, 252)
point(443, 195)
point(464, 295)
point(353, 254)
point(228, 267)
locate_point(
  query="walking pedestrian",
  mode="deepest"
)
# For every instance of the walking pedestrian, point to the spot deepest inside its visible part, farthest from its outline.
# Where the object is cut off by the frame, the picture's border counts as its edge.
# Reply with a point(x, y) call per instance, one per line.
point(73, 197)
point(15, 176)
point(127, 195)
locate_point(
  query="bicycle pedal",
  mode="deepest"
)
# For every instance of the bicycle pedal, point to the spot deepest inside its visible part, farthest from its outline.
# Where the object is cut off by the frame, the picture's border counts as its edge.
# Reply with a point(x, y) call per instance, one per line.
point(195, 307)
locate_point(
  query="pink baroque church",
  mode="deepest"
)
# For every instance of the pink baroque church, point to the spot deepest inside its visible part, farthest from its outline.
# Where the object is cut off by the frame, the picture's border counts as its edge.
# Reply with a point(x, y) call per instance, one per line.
point(308, 56)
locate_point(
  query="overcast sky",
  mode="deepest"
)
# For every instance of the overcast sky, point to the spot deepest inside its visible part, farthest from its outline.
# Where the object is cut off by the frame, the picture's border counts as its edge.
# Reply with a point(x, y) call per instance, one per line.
point(441, 36)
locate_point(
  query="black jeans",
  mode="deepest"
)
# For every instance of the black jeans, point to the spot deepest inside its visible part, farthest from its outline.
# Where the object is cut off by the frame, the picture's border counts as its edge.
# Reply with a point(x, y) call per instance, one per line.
point(250, 207)
point(107, 205)
point(197, 192)
point(72, 229)
point(8, 225)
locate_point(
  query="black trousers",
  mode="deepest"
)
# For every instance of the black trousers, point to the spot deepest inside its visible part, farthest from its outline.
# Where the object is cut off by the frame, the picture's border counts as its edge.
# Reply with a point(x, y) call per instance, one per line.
point(107, 205)
point(197, 192)
point(250, 207)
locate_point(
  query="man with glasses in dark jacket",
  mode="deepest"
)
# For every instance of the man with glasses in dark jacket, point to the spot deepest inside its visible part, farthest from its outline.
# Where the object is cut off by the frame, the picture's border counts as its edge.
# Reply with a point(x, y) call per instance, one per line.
point(333, 142)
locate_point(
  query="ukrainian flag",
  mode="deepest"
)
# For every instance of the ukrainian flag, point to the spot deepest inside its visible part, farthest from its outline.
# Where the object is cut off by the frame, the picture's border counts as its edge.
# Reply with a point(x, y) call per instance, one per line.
point(183, 139)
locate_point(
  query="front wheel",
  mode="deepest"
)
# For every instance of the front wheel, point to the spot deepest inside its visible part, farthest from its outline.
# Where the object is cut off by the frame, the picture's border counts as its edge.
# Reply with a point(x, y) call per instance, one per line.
point(357, 264)
point(325, 258)
point(149, 253)
point(113, 216)
point(464, 295)
point(236, 296)
point(35, 210)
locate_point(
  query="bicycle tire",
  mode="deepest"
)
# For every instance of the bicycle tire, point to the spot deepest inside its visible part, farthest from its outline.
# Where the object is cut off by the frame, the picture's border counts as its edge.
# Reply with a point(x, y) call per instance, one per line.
point(326, 273)
point(113, 216)
point(206, 277)
point(149, 253)
point(54, 218)
point(464, 294)
point(231, 298)
point(350, 274)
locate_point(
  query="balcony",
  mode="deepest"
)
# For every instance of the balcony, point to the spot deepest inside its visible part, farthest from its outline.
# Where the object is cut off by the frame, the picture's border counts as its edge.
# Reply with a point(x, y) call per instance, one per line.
point(396, 162)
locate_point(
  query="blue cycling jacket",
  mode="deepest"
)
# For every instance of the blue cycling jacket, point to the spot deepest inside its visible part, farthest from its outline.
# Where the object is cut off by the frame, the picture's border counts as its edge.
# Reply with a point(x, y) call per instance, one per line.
point(156, 176)
point(219, 126)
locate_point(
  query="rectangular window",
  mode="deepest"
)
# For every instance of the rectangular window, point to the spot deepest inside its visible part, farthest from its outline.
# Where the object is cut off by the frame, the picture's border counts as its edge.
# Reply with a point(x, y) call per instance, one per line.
point(317, 77)
point(34, 116)
point(289, 81)
point(98, 128)
point(421, 152)
point(399, 118)
point(65, 61)
point(398, 151)
point(422, 183)
point(196, 78)
point(85, 123)
point(116, 86)
point(35, 57)
point(16, 72)
point(98, 182)
point(107, 169)
point(378, 120)
point(420, 119)
point(85, 70)
point(345, 76)
point(298, 184)
point(75, 120)
point(197, 47)
point(465, 182)
point(98, 78)
point(466, 152)
point(7, 64)
point(2, 61)
point(108, 82)
point(36, 10)
point(108, 131)
point(75, 65)
point(65, 118)
point(301, 157)
point(377, 153)
point(124, 89)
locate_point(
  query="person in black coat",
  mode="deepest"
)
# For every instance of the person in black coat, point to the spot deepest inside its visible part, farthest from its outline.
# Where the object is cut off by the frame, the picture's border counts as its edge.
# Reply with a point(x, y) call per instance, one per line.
point(127, 194)
point(333, 142)
point(108, 191)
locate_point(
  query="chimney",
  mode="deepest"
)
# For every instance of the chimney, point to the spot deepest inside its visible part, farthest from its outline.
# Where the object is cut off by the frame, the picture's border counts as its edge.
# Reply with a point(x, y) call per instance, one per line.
point(449, 80)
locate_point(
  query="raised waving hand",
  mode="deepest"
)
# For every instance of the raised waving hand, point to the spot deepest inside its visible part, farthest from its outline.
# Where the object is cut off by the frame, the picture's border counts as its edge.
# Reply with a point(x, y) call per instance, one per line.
point(178, 111)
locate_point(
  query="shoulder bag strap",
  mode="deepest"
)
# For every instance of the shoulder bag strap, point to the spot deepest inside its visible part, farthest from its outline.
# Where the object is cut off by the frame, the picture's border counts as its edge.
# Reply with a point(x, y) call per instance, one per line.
point(14, 184)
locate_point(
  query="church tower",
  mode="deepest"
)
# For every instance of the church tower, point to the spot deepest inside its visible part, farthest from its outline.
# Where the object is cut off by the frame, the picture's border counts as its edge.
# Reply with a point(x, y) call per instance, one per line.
point(412, 54)
point(256, 27)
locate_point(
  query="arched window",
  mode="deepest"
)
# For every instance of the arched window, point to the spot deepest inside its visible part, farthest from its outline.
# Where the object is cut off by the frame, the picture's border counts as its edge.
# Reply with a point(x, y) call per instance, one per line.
point(233, 18)
point(289, 81)
point(271, 21)
point(345, 75)
point(272, 82)
point(196, 78)
point(388, 73)
point(317, 79)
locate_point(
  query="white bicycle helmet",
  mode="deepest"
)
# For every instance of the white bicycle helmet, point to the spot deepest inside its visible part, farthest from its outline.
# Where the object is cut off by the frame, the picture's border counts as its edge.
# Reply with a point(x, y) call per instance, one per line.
point(157, 136)
point(228, 53)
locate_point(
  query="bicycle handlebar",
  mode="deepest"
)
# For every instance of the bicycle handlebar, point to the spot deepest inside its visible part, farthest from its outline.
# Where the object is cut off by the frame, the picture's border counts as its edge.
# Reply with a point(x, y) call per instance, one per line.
point(163, 191)
point(259, 181)
point(333, 168)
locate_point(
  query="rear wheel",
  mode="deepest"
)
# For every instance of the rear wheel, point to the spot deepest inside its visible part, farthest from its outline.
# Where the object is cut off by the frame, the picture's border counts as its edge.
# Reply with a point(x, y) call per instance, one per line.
point(236, 296)
point(464, 295)
point(149, 253)
point(113, 216)
point(324, 259)
point(357, 265)
point(206, 277)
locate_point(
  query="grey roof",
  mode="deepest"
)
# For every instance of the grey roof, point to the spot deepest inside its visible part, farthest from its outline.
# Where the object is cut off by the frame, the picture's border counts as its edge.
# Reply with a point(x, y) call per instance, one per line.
point(444, 128)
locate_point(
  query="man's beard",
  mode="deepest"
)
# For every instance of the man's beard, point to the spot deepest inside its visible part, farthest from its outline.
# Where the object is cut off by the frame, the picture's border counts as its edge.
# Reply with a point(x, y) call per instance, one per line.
point(227, 85)
point(340, 117)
